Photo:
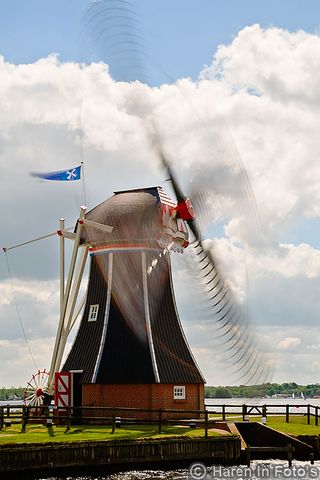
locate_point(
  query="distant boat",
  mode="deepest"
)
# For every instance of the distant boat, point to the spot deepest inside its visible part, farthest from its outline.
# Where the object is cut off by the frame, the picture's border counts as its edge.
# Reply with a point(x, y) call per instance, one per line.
point(302, 396)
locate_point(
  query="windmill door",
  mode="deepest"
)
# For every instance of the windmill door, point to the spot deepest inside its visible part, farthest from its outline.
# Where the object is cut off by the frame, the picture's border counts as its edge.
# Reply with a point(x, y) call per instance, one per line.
point(62, 391)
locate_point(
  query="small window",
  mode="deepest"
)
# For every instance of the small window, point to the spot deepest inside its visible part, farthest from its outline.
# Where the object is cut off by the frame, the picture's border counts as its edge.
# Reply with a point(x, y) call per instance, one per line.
point(93, 313)
point(179, 393)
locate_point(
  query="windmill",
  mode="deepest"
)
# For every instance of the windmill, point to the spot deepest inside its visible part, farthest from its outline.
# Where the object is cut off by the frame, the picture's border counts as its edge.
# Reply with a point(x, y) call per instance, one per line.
point(130, 349)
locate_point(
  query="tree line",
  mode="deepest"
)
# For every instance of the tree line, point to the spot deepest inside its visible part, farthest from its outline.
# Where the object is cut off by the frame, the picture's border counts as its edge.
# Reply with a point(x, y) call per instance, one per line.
point(11, 393)
point(242, 391)
point(265, 390)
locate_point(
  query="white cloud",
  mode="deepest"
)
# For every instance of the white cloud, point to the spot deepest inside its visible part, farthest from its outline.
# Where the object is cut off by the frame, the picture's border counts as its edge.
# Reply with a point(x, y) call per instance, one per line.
point(289, 343)
point(276, 131)
point(17, 366)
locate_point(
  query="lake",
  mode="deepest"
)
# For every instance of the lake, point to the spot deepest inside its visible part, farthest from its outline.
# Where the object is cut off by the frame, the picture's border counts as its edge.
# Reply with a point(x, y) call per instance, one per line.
point(272, 470)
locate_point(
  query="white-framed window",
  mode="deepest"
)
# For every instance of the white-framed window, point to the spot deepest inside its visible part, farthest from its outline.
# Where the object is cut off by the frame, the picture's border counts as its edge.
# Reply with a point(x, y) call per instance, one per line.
point(179, 393)
point(93, 313)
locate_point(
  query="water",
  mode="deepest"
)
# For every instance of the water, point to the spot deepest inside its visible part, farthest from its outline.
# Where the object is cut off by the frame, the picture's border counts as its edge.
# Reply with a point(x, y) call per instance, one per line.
point(11, 402)
point(263, 401)
point(272, 470)
point(296, 404)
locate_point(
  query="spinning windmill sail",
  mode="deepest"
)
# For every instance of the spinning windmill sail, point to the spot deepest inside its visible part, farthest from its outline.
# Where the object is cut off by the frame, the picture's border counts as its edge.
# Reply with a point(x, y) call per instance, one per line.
point(114, 27)
point(242, 350)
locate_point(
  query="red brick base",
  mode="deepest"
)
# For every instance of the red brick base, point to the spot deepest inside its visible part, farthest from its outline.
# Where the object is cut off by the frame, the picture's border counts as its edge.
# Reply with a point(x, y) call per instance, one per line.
point(146, 396)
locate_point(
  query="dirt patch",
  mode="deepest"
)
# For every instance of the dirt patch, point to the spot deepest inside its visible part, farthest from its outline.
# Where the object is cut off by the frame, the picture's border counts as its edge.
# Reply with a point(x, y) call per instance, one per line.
point(219, 430)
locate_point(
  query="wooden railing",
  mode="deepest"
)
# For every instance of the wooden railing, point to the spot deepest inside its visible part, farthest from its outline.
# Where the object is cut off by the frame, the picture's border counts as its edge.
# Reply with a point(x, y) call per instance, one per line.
point(227, 411)
point(22, 414)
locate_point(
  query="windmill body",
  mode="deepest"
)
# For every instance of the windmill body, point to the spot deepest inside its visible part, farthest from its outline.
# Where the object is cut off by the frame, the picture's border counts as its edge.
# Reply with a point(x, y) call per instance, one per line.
point(130, 349)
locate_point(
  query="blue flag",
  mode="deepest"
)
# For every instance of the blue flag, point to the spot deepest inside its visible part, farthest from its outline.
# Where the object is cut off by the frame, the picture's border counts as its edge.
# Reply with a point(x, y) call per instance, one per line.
point(61, 176)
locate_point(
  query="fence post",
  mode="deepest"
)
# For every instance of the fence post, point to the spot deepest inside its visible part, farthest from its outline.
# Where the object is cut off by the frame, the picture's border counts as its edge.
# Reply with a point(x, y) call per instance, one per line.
point(287, 413)
point(113, 422)
point(24, 419)
point(223, 412)
point(317, 417)
point(264, 411)
point(160, 421)
point(244, 412)
point(1, 418)
point(247, 455)
point(206, 423)
point(308, 413)
point(7, 419)
point(68, 411)
point(290, 455)
point(49, 419)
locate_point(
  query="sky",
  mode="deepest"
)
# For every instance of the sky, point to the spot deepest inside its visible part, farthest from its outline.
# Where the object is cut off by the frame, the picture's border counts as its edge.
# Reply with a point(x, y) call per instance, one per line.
point(234, 82)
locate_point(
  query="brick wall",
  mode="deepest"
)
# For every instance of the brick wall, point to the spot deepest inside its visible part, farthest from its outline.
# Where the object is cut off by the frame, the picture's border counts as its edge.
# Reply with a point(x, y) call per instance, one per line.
point(147, 396)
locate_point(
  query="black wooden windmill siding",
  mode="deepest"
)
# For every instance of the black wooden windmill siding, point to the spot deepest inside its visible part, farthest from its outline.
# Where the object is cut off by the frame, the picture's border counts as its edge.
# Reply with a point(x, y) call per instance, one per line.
point(130, 332)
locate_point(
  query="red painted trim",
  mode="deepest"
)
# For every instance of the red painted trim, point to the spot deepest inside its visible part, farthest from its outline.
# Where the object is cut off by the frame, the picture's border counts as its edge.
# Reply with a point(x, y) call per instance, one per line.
point(119, 247)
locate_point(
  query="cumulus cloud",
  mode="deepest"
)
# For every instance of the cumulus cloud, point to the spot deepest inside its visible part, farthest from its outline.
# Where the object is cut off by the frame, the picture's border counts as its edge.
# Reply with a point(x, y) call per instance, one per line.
point(289, 343)
point(35, 303)
point(259, 98)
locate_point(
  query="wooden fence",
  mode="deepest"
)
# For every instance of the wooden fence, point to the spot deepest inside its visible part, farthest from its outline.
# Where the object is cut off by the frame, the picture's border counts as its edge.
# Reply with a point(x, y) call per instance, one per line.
point(227, 411)
point(22, 414)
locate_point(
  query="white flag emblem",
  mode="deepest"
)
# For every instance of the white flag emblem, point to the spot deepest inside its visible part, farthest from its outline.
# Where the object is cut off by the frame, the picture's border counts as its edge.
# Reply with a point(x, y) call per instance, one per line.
point(71, 174)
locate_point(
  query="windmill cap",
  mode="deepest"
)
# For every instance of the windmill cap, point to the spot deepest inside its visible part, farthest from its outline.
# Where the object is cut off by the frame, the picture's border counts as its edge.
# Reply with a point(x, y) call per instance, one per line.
point(135, 216)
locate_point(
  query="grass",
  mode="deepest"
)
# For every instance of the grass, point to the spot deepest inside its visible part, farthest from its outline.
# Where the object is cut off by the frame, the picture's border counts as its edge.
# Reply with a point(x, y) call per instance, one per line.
point(41, 434)
point(297, 425)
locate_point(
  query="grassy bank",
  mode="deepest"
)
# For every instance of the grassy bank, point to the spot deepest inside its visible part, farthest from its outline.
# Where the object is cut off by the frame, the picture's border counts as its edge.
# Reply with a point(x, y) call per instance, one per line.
point(41, 434)
point(297, 425)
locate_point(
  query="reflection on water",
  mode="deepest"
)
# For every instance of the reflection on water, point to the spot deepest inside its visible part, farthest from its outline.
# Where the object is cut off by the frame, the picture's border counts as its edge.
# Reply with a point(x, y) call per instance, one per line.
point(272, 470)
point(137, 475)
point(148, 475)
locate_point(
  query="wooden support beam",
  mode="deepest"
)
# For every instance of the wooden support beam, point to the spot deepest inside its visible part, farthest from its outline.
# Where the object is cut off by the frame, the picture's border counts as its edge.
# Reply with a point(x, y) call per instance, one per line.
point(65, 234)
point(54, 367)
point(67, 323)
point(62, 264)
point(98, 226)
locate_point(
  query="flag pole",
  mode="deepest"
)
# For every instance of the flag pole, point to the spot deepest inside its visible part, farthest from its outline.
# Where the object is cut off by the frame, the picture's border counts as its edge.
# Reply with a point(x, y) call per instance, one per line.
point(82, 158)
point(83, 184)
